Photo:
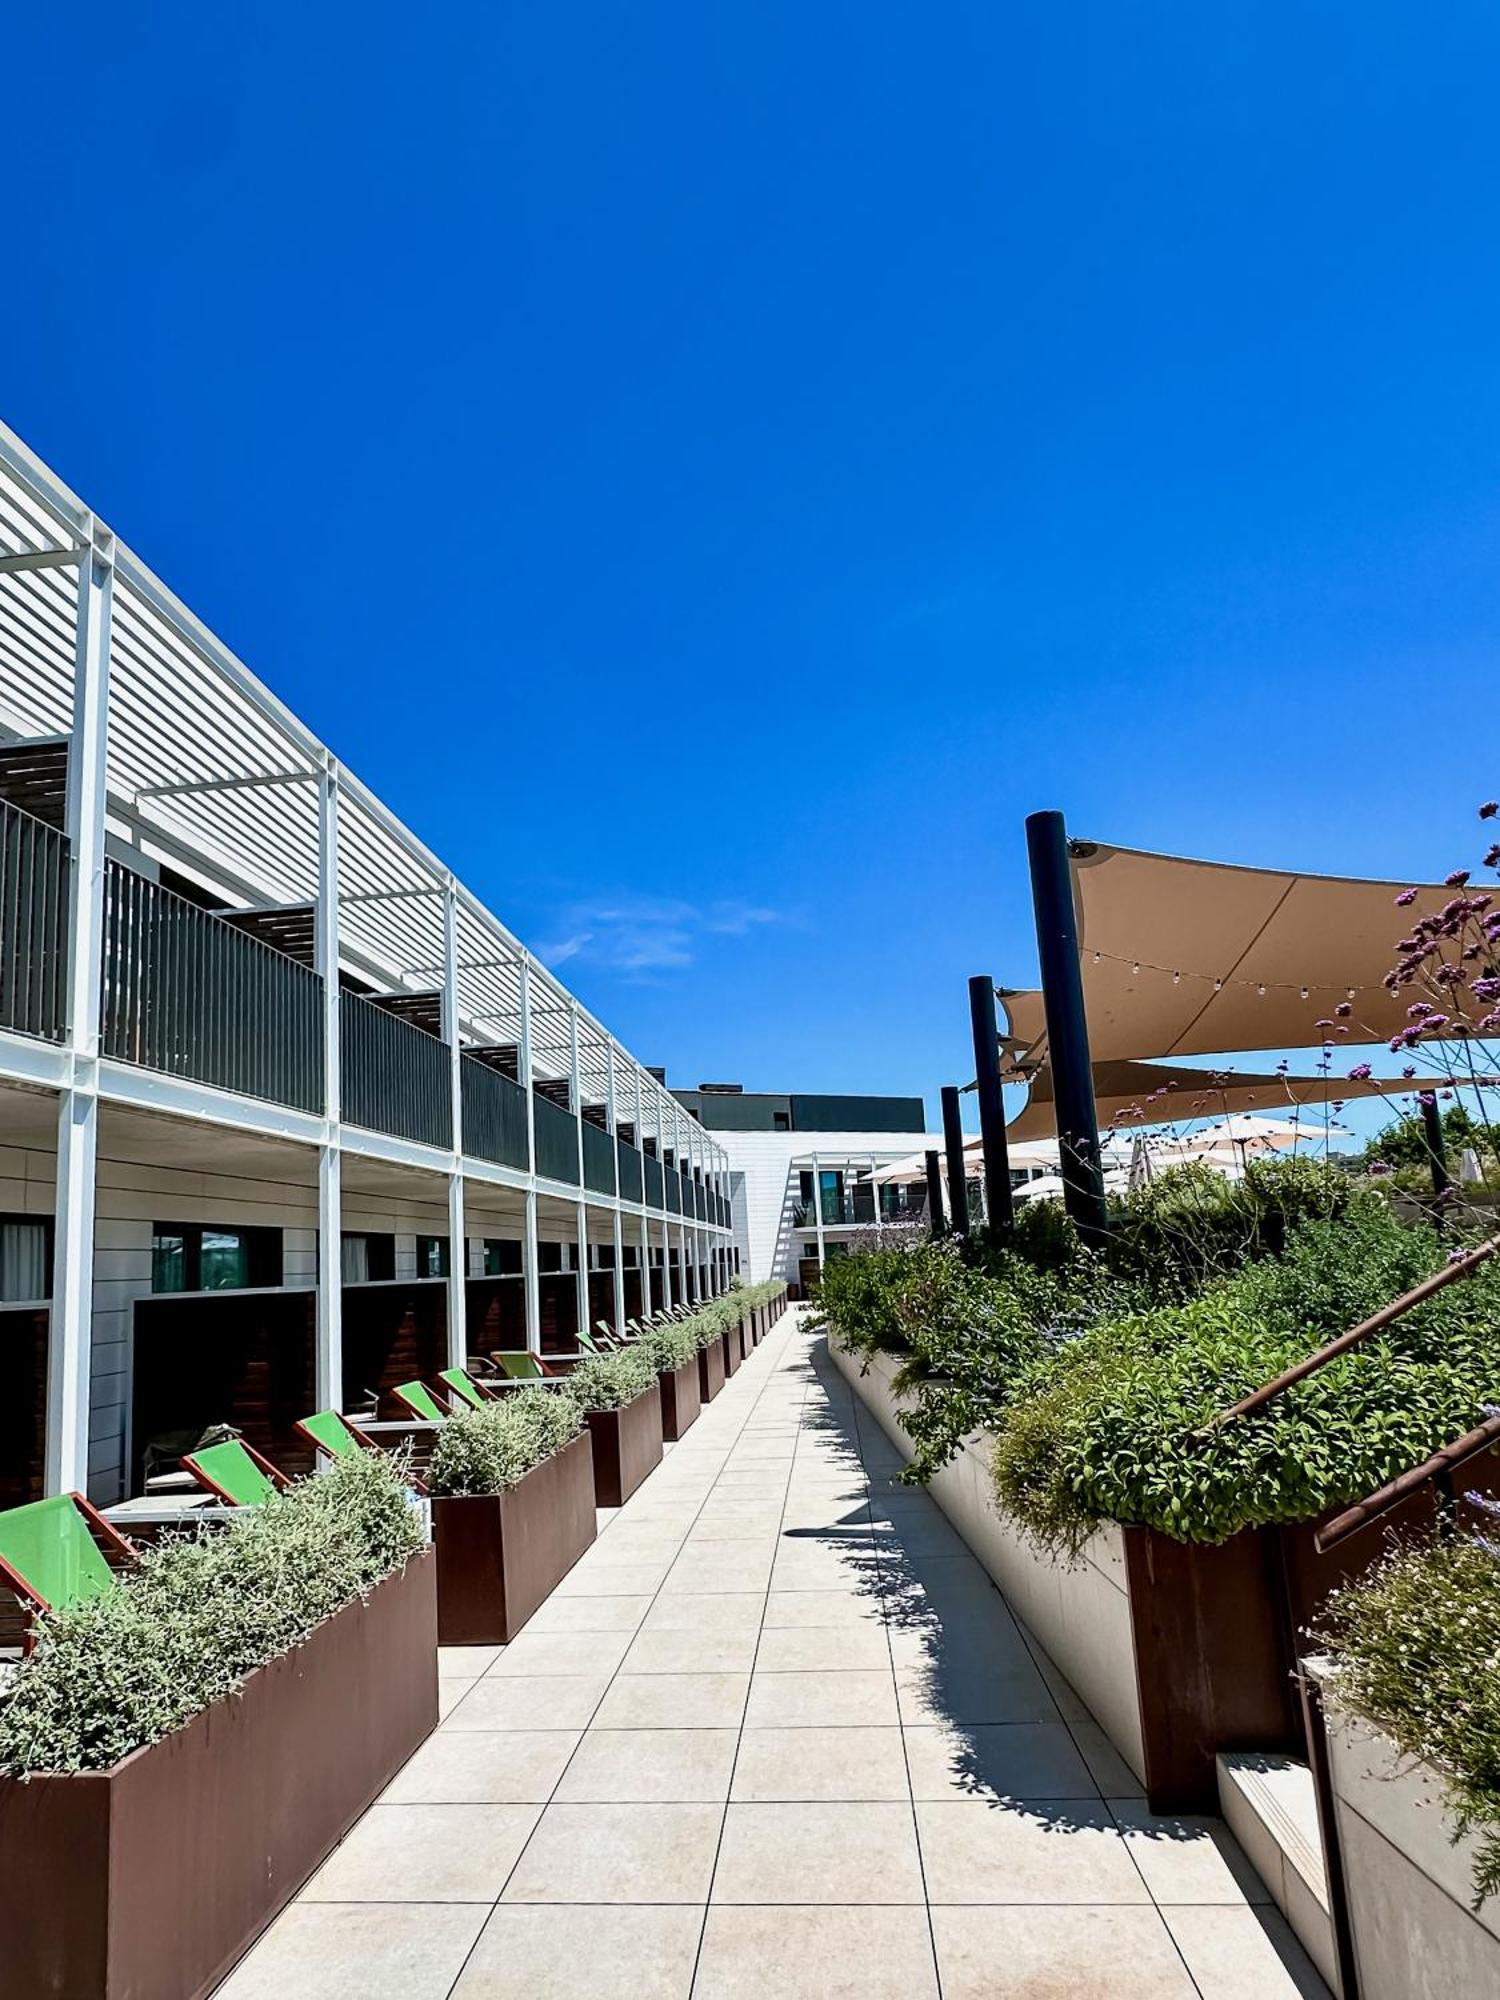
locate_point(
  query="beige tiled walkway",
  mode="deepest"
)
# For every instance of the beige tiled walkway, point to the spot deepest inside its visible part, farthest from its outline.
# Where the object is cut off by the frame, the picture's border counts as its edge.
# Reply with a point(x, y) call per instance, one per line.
point(775, 1735)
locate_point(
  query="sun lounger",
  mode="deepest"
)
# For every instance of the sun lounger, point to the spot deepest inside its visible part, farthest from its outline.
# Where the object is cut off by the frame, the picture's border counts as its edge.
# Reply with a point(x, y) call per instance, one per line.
point(236, 1472)
point(419, 1401)
point(51, 1555)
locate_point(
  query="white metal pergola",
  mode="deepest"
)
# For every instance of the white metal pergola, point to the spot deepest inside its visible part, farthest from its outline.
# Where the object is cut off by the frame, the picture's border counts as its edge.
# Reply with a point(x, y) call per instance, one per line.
point(177, 751)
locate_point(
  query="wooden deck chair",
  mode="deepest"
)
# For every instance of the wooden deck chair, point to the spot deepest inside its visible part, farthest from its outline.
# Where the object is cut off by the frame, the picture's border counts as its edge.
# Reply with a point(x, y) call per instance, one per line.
point(418, 1400)
point(464, 1393)
point(332, 1433)
point(524, 1366)
point(236, 1472)
point(51, 1555)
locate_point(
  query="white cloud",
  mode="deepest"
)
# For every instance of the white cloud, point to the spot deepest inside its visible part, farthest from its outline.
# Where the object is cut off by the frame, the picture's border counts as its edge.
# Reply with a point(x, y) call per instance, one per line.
point(645, 935)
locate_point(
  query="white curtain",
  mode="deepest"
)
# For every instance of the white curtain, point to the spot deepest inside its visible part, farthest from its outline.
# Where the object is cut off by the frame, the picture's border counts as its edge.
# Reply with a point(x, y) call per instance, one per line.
point(23, 1261)
point(354, 1260)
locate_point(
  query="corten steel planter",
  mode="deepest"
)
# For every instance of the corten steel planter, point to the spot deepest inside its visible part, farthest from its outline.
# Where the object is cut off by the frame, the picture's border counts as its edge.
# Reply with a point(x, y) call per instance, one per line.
point(730, 1342)
point(680, 1399)
point(710, 1370)
point(627, 1446)
point(500, 1554)
point(148, 1881)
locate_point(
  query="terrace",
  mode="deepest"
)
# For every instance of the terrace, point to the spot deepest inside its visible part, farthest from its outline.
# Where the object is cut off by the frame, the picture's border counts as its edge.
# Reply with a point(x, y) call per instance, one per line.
point(776, 1733)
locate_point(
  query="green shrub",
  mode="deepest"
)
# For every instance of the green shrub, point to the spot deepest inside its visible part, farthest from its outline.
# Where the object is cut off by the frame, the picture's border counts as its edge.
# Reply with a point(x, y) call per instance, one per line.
point(1107, 1427)
point(201, 1612)
point(608, 1381)
point(668, 1347)
point(488, 1450)
point(1417, 1640)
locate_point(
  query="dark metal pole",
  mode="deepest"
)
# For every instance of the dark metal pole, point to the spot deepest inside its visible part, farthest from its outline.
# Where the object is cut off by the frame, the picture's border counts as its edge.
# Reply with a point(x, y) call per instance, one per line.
point(1067, 1024)
point(1437, 1146)
point(998, 1209)
point(953, 1142)
point(935, 1194)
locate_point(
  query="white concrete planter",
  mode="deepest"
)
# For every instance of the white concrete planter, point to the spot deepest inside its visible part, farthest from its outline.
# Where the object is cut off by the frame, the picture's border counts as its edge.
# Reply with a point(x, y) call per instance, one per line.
point(1081, 1616)
point(1409, 1886)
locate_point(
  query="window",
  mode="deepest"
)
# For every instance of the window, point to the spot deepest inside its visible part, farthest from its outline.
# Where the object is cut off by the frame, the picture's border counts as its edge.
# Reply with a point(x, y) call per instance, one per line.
point(781, 1121)
point(366, 1258)
point(201, 1257)
point(25, 1259)
point(502, 1257)
point(432, 1256)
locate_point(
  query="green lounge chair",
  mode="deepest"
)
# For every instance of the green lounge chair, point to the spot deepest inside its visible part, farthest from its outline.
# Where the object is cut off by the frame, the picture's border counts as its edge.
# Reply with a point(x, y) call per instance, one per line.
point(420, 1401)
point(236, 1472)
point(50, 1554)
point(334, 1434)
point(463, 1389)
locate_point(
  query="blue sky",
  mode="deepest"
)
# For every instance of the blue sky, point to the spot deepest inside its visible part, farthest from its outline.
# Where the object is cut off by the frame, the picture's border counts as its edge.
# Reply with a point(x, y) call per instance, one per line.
point(715, 470)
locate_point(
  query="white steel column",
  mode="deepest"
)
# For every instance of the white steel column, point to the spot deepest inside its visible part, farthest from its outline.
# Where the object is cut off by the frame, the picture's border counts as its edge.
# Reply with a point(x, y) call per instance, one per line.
point(614, 1139)
point(329, 1361)
point(530, 1280)
point(71, 1319)
point(458, 1248)
point(818, 1211)
point(583, 1219)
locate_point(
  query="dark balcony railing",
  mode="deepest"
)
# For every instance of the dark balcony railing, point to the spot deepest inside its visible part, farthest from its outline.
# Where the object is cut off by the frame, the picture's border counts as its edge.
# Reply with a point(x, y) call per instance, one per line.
point(688, 1207)
point(630, 1171)
point(393, 1077)
point(653, 1182)
point(556, 1141)
point(494, 1115)
point(674, 1191)
point(185, 993)
point(33, 926)
point(598, 1159)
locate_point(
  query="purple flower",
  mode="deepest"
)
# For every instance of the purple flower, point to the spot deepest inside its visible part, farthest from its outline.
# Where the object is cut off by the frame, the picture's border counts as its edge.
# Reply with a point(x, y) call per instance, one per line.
point(1489, 808)
point(1360, 1073)
point(1457, 879)
point(1343, 1010)
point(1406, 896)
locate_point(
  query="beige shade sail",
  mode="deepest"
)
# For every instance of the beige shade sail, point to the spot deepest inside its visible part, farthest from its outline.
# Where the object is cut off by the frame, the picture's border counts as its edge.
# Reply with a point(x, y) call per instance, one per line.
point(1186, 958)
point(1119, 1087)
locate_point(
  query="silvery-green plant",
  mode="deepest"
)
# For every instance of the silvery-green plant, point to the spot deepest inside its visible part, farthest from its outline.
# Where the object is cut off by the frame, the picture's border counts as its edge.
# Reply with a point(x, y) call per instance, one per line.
point(488, 1450)
point(609, 1381)
point(200, 1612)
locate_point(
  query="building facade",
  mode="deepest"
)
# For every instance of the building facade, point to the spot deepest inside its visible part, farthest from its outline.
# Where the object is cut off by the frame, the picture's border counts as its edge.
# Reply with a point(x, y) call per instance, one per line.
point(286, 1114)
point(802, 1172)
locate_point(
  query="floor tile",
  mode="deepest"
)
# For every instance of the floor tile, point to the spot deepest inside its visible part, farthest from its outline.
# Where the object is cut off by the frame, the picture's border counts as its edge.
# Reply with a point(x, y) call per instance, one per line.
point(786, 1765)
point(1243, 1954)
point(548, 1654)
point(1187, 1859)
point(618, 1854)
point(706, 1611)
point(450, 1693)
point(842, 1609)
point(965, 1688)
point(469, 1767)
point(560, 1701)
point(818, 1854)
point(425, 1854)
point(1064, 1851)
point(668, 1701)
point(830, 1953)
point(1020, 1760)
point(823, 1649)
point(692, 1651)
point(467, 1662)
point(1057, 1954)
point(358, 1951)
point(624, 1580)
point(820, 1700)
point(608, 1952)
point(590, 1614)
point(671, 1766)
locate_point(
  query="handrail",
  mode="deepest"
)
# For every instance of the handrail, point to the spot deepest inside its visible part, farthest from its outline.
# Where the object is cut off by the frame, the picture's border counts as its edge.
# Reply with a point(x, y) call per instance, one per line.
point(1443, 1462)
point(1463, 1265)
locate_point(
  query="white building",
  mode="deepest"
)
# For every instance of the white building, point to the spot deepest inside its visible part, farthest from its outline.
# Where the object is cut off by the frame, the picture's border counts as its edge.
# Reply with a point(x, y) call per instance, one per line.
point(802, 1169)
point(245, 1016)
